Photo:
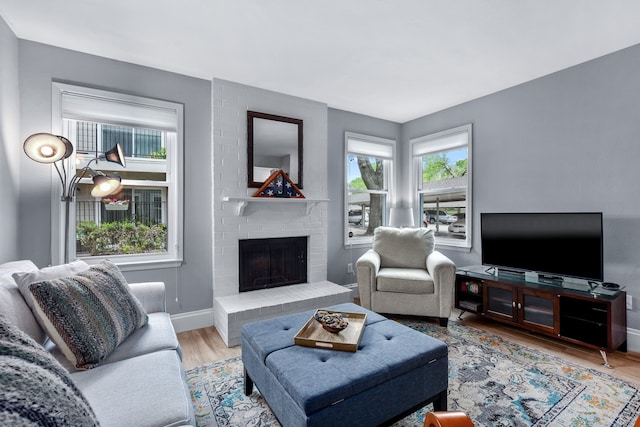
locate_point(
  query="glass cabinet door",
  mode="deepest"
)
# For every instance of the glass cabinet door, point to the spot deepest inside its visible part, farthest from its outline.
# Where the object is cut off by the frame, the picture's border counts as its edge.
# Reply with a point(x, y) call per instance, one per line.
point(537, 309)
point(500, 301)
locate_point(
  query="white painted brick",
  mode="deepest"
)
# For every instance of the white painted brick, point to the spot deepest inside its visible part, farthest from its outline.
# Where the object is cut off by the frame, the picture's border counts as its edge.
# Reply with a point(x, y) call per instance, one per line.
point(231, 101)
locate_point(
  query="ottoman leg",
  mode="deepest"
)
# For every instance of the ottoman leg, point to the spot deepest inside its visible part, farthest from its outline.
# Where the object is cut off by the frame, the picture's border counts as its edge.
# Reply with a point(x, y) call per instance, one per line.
point(444, 321)
point(248, 383)
point(440, 404)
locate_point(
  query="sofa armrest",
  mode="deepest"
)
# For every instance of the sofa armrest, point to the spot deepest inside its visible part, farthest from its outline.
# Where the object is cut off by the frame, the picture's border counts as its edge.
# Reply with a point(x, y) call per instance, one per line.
point(151, 295)
point(443, 272)
point(367, 268)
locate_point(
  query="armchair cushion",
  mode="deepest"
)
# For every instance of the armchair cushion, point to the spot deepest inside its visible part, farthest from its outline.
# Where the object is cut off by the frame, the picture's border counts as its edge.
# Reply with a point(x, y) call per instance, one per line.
point(403, 247)
point(405, 280)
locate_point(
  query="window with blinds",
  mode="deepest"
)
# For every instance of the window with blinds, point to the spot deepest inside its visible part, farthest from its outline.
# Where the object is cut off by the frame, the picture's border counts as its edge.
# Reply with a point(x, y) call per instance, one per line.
point(442, 162)
point(368, 171)
point(143, 221)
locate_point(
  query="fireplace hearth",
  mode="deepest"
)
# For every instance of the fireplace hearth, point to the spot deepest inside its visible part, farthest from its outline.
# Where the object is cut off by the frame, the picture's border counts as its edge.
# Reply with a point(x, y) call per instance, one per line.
point(273, 262)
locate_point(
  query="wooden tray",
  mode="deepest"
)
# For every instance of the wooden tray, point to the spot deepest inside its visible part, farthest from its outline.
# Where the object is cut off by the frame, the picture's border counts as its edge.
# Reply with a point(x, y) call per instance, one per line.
point(313, 335)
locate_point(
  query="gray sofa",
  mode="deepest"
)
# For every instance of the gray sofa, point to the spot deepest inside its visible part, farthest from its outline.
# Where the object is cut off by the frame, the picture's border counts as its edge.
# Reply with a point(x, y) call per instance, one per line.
point(141, 383)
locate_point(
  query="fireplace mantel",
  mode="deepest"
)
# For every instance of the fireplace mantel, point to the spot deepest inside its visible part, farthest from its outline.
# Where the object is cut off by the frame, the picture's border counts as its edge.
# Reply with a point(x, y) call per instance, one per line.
point(242, 202)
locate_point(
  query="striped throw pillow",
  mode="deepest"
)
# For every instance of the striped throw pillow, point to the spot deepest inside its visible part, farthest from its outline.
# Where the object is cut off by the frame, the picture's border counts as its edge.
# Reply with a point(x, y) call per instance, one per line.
point(88, 315)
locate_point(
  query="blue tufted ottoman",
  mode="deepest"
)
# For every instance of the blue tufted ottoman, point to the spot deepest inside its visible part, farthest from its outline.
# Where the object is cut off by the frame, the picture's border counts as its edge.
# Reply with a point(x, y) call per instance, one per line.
point(395, 371)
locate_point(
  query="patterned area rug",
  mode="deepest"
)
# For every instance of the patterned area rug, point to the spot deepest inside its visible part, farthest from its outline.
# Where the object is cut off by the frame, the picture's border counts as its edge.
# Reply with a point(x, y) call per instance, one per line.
point(497, 383)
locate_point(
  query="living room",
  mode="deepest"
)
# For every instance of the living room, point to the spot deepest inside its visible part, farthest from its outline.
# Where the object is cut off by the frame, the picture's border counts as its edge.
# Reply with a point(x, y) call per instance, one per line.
point(564, 141)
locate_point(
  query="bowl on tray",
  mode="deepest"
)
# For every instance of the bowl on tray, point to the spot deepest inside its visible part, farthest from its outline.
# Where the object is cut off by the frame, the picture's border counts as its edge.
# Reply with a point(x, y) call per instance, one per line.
point(331, 321)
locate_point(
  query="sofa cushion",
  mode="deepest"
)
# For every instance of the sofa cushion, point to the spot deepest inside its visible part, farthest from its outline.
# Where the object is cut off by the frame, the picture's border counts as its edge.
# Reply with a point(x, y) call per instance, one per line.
point(8, 268)
point(404, 280)
point(157, 335)
point(148, 390)
point(25, 278)
point(403, 247)
point(88, 315)
point(12, 303)
point(36, 390)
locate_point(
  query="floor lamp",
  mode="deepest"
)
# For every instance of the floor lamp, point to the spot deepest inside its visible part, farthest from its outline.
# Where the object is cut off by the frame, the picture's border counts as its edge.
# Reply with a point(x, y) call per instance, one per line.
point(400, 217)
point(48, 148)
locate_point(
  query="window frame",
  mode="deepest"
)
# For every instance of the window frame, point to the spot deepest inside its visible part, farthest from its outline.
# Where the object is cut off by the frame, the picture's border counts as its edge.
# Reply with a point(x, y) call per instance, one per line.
point(389, 180)
point(156, 114)
point(435, 140)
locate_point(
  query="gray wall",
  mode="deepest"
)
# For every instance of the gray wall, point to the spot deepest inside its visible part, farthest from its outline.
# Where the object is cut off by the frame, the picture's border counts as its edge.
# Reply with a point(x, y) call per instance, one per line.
point(564, 142)
point(39, 66)
point(10, 143)
point(340, 122)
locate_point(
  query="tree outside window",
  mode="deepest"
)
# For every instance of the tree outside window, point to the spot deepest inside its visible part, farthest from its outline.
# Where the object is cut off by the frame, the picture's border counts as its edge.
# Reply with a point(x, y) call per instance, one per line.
point(443, 162)
point(368, 169)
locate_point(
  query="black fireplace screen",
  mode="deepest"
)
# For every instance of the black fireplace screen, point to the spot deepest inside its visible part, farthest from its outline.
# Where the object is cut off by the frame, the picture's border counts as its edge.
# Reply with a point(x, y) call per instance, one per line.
point(268, 263)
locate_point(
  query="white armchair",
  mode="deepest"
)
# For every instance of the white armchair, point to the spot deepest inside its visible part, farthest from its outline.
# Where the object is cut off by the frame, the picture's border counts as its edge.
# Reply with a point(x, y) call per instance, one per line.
point(403, 274)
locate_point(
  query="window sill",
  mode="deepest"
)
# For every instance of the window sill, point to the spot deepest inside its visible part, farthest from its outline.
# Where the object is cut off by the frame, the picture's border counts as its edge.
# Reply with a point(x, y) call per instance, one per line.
point(450, 247)
point(138, 265)
point(359, 245)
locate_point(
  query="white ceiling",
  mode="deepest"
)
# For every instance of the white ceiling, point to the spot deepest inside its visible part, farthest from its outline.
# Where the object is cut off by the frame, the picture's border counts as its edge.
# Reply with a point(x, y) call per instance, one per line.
point(392, 59)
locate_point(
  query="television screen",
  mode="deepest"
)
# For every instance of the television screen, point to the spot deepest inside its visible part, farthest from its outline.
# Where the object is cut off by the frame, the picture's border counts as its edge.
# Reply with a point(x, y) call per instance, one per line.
point(560, 244)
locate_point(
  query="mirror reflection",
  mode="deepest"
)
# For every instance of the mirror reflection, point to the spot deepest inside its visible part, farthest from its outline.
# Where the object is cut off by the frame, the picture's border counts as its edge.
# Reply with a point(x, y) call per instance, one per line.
point(274, 142)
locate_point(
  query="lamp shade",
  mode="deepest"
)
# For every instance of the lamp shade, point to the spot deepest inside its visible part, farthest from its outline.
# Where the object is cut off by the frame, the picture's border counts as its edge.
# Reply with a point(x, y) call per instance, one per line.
point(105, 185)
point(47, 148)
point(115, 155)
point(401, 217)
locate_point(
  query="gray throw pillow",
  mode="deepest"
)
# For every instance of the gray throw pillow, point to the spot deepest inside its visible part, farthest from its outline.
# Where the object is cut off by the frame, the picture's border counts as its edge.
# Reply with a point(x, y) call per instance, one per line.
point(34, 388)
point(88, 315)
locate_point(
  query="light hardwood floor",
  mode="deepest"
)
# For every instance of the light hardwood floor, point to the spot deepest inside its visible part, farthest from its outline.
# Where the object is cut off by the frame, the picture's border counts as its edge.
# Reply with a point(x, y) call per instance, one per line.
point(203, 346)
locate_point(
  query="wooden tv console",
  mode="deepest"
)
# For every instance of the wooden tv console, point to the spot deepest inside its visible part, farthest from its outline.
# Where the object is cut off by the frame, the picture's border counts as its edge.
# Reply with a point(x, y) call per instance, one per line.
point(579, 313)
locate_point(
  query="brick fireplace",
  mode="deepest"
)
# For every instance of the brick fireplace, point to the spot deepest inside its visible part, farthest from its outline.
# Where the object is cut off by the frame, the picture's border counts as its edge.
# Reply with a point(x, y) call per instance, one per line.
point(277, 219)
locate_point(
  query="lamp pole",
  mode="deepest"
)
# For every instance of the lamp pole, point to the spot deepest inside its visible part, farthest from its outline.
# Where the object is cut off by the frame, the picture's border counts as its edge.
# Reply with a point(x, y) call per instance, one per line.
point(67, 208)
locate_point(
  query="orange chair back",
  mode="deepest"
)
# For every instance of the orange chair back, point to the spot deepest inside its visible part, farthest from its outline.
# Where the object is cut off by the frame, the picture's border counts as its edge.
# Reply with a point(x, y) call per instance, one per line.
point(448, 419)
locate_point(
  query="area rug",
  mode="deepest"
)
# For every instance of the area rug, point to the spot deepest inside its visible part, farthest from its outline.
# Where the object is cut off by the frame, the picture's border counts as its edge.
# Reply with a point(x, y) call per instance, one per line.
point(496, 382)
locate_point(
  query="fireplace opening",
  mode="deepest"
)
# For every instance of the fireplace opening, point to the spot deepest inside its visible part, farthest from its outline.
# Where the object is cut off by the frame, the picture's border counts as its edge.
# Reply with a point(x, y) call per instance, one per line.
point(269, 263)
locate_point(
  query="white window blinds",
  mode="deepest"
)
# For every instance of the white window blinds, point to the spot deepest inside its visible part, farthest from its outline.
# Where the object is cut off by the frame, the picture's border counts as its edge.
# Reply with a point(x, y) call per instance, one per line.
point(439, 142)
point(380, 150)
point(96, 105)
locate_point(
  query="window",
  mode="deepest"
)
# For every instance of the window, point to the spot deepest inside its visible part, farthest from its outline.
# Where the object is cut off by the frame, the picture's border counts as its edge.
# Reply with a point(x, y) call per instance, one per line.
point(142, 222)
point(442, 162)
point(368, 171)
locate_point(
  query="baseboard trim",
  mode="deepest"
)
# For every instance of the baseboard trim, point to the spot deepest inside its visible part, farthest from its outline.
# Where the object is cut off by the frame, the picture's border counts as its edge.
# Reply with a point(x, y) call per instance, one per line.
point(192, 320)
point(633, 340)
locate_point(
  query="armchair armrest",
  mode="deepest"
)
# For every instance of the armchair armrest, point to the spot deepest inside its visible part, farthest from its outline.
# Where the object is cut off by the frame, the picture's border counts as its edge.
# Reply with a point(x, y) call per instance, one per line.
point(443, 272)
point(367, 268)
point(151, 295)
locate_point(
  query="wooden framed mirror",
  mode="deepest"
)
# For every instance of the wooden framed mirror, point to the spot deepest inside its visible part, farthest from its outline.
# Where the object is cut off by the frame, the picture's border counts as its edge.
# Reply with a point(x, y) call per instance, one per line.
point(273, 142)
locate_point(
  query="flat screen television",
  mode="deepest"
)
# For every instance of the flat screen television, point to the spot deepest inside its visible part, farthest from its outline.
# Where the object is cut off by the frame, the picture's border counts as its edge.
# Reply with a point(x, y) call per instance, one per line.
point(565, 244)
